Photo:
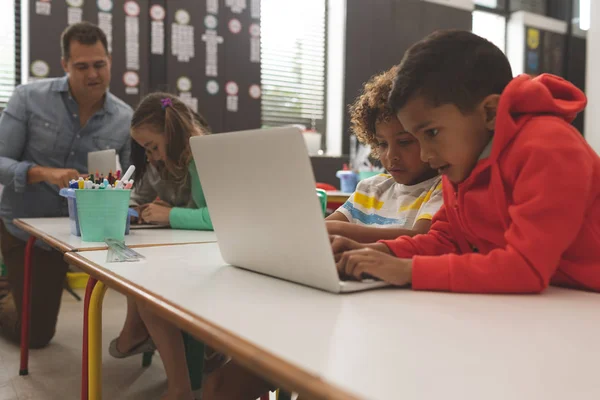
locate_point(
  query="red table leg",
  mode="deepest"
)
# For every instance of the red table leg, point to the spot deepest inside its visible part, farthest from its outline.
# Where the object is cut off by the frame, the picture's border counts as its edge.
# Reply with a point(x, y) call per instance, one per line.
point(84, 349)
point(26, 308)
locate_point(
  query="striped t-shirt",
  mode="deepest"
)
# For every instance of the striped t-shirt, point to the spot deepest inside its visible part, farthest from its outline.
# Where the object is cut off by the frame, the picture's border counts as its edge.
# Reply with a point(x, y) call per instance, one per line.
point(381, 201)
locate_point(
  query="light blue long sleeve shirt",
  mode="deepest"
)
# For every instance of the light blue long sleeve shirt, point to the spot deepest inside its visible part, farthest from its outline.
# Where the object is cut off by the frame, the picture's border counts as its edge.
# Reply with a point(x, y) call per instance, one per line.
point(41, 126)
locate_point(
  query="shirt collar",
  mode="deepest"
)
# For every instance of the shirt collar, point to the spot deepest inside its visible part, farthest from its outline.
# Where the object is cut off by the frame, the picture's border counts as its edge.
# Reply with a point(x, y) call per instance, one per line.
point(61, 85)
point(487, 150)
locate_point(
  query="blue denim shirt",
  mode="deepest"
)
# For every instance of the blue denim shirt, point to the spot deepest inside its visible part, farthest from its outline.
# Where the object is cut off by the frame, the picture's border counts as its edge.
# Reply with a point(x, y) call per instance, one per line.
point(40, 126)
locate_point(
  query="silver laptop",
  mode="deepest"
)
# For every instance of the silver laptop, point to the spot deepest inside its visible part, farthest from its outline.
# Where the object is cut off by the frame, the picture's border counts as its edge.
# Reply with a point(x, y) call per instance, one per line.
point(260, 190)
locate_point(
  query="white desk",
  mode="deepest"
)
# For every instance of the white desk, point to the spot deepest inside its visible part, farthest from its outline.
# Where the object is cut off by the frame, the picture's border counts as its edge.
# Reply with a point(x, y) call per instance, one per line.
point(56, 232)
point(383, 344)
point(337, 196)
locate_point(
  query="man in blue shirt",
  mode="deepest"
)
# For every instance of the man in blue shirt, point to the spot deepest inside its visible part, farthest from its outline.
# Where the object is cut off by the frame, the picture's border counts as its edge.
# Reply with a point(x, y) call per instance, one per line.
point(46, 132)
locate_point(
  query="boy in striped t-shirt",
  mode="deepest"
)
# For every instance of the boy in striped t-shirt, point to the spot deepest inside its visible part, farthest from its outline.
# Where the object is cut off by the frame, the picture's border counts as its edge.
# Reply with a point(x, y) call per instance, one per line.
point(387, 206)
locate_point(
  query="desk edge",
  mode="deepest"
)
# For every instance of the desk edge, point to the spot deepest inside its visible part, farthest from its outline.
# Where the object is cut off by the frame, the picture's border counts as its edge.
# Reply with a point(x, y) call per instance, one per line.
point(49, 240)
point(247, 354)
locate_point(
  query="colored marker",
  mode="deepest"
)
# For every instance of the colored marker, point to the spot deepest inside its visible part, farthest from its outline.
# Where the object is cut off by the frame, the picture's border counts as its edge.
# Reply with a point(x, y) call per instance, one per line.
point(80, 183)
point(127, 175)
point(129, 184)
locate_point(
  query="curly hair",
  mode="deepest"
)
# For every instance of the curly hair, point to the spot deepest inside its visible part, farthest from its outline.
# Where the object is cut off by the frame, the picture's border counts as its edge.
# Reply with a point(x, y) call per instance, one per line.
point(371, 107)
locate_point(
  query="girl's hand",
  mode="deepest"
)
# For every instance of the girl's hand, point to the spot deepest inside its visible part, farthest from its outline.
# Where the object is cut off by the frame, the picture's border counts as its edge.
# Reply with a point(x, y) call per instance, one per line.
point(155, 214)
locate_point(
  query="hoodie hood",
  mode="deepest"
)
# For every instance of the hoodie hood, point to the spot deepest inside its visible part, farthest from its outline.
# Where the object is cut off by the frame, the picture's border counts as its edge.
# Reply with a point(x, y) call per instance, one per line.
point(526, 97)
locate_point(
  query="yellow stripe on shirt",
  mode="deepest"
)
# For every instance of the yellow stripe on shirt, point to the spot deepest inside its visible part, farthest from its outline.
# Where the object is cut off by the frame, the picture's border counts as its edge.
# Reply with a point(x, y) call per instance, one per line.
point(367, 201)
point(415, 205)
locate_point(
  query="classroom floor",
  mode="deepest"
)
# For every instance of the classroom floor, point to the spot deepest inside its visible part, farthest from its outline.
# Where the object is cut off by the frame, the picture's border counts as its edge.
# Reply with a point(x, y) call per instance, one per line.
point(55, 372)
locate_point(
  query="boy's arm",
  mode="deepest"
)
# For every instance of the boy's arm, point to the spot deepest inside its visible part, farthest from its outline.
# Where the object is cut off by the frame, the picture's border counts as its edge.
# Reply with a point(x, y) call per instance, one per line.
point(369, 234)
point(438, 240)
point(337, 216)
point(553, 182)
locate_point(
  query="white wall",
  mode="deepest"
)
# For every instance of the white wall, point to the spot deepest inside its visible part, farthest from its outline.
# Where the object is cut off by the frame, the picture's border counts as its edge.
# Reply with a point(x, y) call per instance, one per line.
point(592, 115)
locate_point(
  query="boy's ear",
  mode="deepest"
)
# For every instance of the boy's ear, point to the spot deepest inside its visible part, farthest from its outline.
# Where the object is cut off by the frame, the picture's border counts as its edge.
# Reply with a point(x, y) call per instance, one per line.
point(489, 105)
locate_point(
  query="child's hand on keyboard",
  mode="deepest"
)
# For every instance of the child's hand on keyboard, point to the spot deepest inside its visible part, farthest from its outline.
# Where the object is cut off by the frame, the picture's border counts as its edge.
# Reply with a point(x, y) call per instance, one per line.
point(340, 244)
point(368, 262)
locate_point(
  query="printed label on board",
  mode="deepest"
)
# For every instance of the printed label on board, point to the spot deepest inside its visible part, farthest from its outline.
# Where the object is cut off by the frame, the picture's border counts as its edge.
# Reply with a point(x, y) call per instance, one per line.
point(231, 88)
point(131, 79)
point(212, 6)
point(254, 43)
point(237, 6)
point(132, 8)
point(132, 43)
point(254, 91)
point(255, 9)
point(254, 30)
point(43, 8)
point(182, 17)
point(105, 5)
point(212, 43)
point(189, 100)
point(157, 12)
point(75, 3)
point(157, 38)
point(40, 69)
point(182, 42)
point(184, 84)
point(232, 103)
point(235, 26)
point(211, 22)
point(212, 87)
point(105, 23)
point(74, 15)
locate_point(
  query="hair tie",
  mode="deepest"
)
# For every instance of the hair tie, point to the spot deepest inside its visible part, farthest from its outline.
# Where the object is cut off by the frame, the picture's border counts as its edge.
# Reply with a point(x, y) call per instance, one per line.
point(166, 102)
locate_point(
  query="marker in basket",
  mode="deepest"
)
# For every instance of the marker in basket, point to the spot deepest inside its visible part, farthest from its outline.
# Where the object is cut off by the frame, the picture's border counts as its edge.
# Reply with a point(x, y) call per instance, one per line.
point(129, 184)
point(110, 178)
point(126, 177)
point(80, 183)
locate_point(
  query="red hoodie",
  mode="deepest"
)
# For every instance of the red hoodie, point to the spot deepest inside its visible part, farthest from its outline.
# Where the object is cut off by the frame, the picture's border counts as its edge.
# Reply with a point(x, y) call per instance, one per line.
point(529, 214)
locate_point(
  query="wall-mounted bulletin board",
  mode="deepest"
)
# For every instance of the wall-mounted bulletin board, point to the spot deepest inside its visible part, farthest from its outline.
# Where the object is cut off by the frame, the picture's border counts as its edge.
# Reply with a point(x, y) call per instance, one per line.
point(205, 51)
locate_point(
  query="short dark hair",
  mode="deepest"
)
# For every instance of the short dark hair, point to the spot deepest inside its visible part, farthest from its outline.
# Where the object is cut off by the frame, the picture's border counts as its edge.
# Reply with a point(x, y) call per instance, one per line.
point(83, 32)
point(450, 67)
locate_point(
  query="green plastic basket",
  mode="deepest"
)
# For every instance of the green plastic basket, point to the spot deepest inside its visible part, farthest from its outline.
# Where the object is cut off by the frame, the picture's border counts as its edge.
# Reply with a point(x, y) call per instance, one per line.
point(102, 214)
point(322, 195)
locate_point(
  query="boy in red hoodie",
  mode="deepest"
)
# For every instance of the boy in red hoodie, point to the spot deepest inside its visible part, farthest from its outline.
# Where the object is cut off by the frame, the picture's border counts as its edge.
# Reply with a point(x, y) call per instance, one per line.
point(521, 186)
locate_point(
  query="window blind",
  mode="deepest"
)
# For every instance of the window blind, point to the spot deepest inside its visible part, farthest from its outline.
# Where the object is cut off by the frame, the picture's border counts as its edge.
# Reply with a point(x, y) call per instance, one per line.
point(293, 64)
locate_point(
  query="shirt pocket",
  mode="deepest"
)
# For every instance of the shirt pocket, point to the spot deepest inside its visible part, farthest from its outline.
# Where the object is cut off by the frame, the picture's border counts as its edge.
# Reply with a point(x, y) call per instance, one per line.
point(105, 143)
point(43, 134)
